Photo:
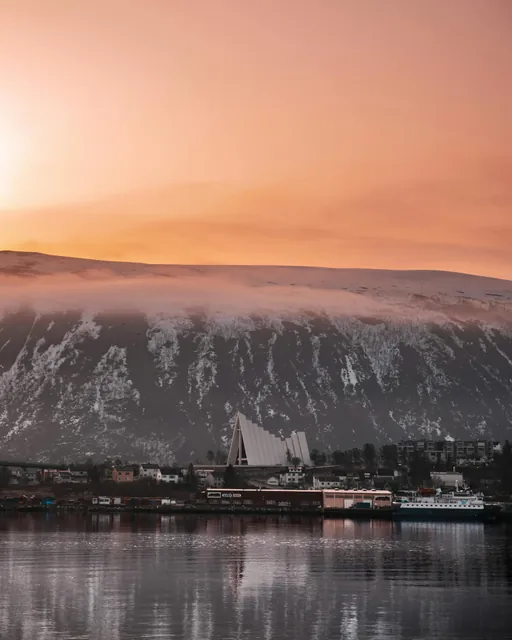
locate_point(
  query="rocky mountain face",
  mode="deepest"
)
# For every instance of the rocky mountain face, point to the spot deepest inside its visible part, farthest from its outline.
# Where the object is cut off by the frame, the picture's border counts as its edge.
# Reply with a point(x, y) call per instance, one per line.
point(151, 362)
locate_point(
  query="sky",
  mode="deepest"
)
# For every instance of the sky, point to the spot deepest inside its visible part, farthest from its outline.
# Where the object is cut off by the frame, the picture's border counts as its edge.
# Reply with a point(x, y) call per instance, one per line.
point(342, 133)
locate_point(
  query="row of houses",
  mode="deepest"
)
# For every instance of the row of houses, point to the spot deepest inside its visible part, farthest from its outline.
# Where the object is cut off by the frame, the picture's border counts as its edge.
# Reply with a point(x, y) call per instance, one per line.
point(131, 473)
point(297, 477)
point(170, 475)
point(24, 476)
point(36, 475)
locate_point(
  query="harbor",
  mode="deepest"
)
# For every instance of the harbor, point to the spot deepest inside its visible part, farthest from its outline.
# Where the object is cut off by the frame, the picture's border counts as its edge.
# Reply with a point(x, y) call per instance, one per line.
point(356, 505)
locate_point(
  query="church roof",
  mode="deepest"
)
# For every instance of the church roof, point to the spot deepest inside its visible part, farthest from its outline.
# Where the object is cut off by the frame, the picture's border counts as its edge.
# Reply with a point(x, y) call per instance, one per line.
point(253, 445)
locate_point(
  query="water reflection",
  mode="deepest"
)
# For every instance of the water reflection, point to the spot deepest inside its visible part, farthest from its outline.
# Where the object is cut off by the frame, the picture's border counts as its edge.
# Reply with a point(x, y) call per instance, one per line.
point(124, 577)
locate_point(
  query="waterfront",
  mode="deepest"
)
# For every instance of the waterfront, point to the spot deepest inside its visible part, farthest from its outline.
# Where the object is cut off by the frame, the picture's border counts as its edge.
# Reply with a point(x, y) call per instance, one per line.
point(126, 577)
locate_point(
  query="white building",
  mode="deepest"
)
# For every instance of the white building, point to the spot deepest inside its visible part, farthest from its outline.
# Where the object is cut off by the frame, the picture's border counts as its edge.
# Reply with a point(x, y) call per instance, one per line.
point(451, 479)
point(151, 471)
point(293, 476)
point(326, 482)
point(202, 474)
point(31, 476)
point(16, 472)
point(215, 480)
point(64, 475)
point(171, 476)
point(252, 445)
point(79, 476)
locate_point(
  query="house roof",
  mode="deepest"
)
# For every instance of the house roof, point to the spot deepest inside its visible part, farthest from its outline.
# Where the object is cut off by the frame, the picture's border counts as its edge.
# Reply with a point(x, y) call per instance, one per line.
point(127, 468)
point(150, 466)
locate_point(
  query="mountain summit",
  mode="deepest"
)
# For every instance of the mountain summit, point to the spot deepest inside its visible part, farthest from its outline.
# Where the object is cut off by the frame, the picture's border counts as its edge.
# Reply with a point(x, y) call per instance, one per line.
point(153, 361)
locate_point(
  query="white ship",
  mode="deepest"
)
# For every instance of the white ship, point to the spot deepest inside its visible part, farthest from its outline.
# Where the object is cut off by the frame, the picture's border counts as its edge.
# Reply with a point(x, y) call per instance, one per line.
point(457, 505)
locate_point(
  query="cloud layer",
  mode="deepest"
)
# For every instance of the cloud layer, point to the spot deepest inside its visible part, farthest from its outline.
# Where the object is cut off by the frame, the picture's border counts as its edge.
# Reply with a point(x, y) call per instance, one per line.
point(96, 287)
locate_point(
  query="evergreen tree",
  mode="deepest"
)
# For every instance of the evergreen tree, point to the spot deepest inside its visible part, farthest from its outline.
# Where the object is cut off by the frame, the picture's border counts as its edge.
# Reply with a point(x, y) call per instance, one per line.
point(5, 476)
point(419, 470)
point(505, 467)
point(221, 457)
point(338, 457)
point(357, 456)
point(321, 460)
point(191, 477)
point(369, 455)
point(389, 456)
point(231, 480)
point(93, 474)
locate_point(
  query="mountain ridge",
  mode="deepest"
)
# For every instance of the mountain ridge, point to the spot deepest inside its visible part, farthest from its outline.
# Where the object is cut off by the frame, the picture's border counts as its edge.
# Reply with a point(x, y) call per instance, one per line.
point(371, 270)
point(348, 356)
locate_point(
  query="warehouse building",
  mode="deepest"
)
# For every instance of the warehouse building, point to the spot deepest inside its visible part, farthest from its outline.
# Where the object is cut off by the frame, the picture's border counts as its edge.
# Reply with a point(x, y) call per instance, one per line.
point(328, 500)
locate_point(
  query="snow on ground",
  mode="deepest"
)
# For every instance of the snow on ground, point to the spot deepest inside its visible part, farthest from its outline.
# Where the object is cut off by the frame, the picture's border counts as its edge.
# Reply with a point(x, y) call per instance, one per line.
point(54, 283)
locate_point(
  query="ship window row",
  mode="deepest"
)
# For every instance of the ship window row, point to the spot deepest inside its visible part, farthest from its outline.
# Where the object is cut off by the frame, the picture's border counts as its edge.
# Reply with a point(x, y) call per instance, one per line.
point(448, 506)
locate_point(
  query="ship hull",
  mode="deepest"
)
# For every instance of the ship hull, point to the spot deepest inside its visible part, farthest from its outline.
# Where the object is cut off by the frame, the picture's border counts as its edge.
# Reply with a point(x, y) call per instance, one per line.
point(431, 514)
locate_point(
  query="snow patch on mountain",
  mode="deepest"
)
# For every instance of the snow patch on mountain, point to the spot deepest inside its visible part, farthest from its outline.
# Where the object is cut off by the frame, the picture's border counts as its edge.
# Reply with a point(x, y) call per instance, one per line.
point(348, 356)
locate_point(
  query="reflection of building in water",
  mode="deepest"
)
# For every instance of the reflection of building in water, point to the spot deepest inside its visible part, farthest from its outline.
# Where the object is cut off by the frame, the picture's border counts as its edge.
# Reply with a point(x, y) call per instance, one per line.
point(104, 521)
point(253, 567)
point(236, 566)
point(456, 537)
point(46, 580)
point(333, 527)
point(226, 577)
point(265, 566)
point(390, 551)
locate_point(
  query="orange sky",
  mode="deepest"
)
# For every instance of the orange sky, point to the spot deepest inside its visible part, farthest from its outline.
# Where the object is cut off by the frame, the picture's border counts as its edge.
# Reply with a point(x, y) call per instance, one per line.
point(329, 132)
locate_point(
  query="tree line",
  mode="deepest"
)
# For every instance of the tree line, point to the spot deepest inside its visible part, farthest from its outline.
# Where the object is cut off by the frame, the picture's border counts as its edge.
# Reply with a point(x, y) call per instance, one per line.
point(368, 456)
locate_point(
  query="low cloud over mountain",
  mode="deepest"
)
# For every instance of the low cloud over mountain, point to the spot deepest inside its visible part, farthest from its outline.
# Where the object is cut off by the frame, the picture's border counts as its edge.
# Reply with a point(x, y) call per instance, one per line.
point(152, 361)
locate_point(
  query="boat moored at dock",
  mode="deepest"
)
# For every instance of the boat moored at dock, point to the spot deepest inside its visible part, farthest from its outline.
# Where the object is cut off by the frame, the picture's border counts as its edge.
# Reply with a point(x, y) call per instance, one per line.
point(454, 506)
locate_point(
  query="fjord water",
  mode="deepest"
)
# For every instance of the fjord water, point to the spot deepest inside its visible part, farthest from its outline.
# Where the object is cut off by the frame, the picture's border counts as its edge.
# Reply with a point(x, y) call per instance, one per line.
point(122, 577)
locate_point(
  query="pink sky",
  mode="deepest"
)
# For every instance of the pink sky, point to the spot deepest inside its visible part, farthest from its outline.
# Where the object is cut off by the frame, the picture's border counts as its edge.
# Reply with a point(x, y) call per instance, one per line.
point(330, 132)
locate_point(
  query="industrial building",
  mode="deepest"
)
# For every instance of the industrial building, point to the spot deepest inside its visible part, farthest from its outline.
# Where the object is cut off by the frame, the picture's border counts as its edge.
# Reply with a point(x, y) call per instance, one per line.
point(326, 500)
point(254, 446)
point(267, 498)
point(347, 499)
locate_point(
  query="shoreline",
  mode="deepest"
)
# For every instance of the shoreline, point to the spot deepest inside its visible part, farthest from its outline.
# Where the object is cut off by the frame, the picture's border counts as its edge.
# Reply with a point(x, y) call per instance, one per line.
point(383, 514)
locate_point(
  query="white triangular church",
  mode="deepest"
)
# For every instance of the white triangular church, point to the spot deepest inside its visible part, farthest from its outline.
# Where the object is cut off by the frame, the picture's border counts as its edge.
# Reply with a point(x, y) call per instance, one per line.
point(252, 445)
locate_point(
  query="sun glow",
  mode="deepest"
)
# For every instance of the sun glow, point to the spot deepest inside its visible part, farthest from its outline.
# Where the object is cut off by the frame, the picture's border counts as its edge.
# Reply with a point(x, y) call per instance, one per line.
point(10, 163)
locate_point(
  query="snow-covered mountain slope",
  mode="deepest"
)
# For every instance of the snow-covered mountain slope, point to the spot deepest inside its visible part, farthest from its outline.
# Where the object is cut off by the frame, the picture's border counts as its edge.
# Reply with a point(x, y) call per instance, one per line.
point(152, 361)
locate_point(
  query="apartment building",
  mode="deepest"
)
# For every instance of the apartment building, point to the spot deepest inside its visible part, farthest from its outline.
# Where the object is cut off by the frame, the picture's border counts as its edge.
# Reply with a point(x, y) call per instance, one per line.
point(457, 451)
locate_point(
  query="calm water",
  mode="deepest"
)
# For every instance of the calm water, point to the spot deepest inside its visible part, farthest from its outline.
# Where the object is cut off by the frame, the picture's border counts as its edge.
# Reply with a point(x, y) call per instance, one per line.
point(121, 577)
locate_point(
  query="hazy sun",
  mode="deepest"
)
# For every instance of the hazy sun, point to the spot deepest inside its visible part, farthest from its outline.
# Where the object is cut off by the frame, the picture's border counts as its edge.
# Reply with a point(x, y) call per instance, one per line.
point(10, 150)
